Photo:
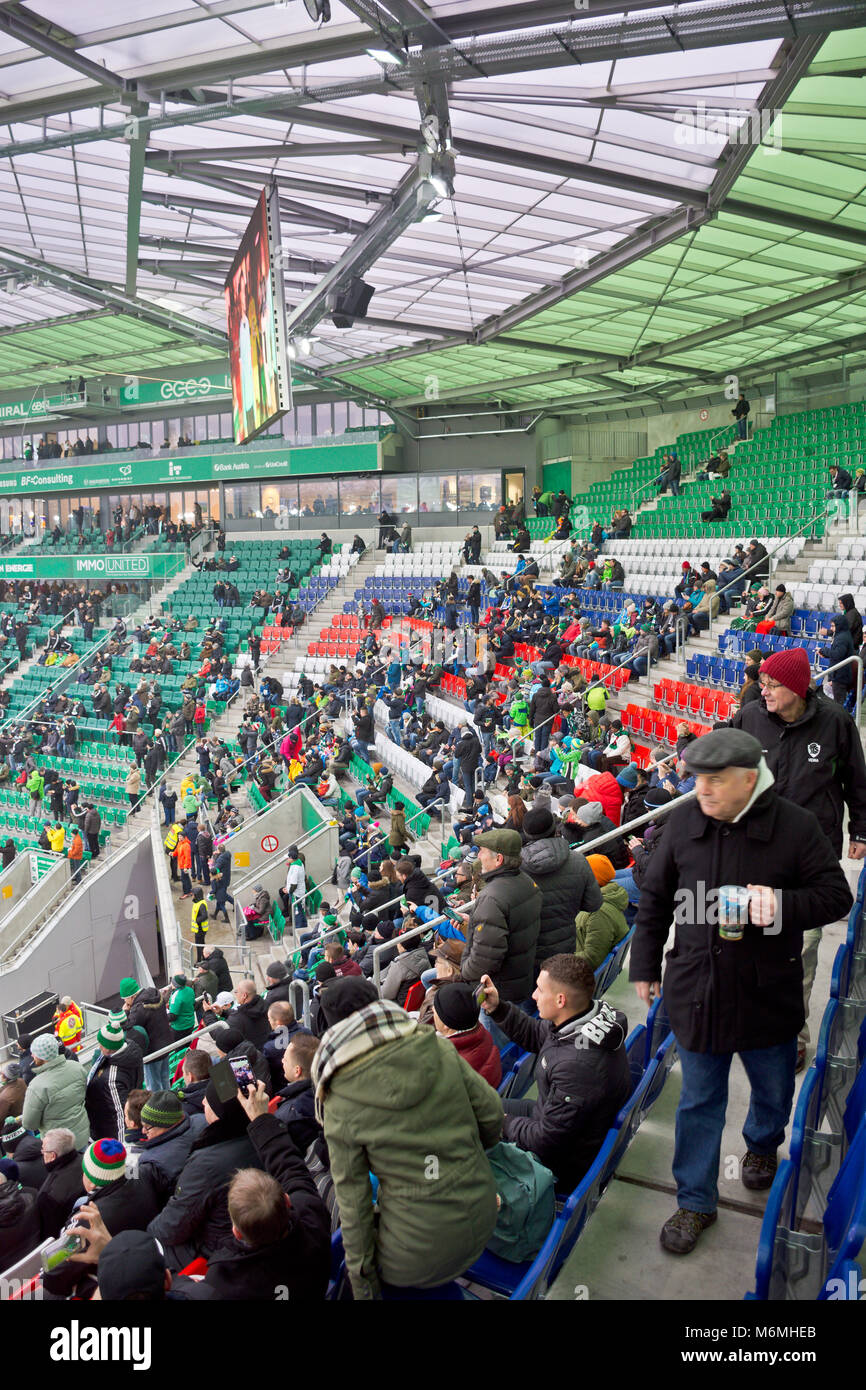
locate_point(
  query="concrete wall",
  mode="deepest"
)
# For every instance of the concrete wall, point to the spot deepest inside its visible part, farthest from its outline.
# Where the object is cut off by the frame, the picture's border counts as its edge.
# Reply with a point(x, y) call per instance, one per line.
point(290, 821)
point(663, 429)
point(473, 442)
point(319, 855)
point(14, 883)
point(32, 902)
point(84, 951)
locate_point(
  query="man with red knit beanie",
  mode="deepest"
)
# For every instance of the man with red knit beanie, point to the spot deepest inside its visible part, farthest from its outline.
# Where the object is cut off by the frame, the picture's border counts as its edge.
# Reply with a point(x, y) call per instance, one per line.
point(812, 747)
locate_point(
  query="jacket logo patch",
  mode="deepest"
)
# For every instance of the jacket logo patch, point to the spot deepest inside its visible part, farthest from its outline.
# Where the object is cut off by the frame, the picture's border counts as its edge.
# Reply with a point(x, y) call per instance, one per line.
point(813, 749)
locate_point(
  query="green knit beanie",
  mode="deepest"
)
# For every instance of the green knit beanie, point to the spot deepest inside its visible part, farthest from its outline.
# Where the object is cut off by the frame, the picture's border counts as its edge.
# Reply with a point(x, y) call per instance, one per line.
point(163, 1109)
point(129, 987)
point(111, 1035)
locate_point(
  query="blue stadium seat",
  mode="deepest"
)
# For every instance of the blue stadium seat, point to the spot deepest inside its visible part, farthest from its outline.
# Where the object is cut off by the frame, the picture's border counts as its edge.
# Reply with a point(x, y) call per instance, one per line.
point(794, 1266)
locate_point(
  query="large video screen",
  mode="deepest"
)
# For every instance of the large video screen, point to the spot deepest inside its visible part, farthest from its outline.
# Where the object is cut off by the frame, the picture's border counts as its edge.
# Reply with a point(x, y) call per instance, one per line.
point(255, 311)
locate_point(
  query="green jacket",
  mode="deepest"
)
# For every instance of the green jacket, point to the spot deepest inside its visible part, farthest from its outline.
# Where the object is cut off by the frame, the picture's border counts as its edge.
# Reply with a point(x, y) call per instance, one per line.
point(598, 932)
point(55, 1099)
point(35, 784)
point(181, 1010)
point(417, 1116)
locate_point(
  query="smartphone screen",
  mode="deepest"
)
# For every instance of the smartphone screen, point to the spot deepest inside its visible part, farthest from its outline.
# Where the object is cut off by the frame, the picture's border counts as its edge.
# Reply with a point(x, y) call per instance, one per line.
point(242, 1070)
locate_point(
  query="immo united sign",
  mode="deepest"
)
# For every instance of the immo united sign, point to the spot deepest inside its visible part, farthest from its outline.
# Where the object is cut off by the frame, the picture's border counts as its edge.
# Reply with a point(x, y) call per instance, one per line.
point(113, 567)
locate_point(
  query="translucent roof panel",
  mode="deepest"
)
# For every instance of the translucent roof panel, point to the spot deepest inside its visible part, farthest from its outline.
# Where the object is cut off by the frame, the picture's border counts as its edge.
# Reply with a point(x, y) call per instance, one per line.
point(608, 216)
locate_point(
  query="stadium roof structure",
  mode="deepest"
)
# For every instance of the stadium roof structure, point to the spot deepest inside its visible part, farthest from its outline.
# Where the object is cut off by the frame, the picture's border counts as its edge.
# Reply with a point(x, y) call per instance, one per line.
point(618, 201)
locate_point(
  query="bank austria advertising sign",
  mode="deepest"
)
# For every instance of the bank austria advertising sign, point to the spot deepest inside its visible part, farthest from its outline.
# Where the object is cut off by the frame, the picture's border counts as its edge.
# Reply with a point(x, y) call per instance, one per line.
point(146, 474)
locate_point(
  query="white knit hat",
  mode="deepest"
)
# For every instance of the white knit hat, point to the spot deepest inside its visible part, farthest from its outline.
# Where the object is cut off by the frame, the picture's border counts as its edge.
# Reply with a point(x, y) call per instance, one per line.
point(45, 1047)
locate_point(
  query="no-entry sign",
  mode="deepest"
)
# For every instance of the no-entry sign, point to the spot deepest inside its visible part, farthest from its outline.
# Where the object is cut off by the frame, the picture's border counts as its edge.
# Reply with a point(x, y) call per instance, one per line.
point(705, 415)
point(270, 843)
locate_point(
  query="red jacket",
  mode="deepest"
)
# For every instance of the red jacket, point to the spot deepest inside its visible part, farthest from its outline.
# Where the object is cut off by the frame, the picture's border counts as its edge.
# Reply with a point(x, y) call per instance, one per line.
point(480, 1051)
point(603, 787)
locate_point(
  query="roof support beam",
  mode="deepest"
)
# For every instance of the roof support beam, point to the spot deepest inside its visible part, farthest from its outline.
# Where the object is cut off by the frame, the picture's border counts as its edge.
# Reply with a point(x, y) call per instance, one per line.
point(813, 226)
point(794, 62)
point(595, 38)
point(845, 287)
point(19, 28)
point(320, 149)
point(108, 298)
point(137, 148)
point(492, 152)
point(318, 187)
point(413, 194)
point(399, 22)
point(303, 213)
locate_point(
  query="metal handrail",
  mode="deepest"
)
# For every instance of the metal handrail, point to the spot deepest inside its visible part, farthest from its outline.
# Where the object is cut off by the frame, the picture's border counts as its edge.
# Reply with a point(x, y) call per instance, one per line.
point(623, 831)
point(111, 851)
point(846, 661)
point(650, 482)
point(378, 951)
point(423, 811)
point(305, 1000)
point(63, 675)
point(770, 553)
point(180, 1042)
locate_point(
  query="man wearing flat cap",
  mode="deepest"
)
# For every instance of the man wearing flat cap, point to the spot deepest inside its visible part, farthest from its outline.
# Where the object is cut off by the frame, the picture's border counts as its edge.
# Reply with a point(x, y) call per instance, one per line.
point(503, 922)
point(742, 873)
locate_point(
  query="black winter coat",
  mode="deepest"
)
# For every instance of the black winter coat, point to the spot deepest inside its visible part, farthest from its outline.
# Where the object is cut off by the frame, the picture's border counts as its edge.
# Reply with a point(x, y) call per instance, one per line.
point(583, 1079)
point(543, 705)
point(300, 1262)
point(614, 850)
point(125, 1205)
point(252, 1020)
point(852, 618)
point(192, 1098)
point(467, 751)
point(217, 962)
point(421, 892)
point(297, 1111)
point(567, 886)
point(58, 1192)
point(169, 1152)
point(196, 1219)
point(817, 761)
point(502, 933)
point(147, 1011)
point(107, 1088)
point(733, 996)
point(19, 1223)
point(841, 646)
point(365, 915)
point(28, 1155)
point(278, 993)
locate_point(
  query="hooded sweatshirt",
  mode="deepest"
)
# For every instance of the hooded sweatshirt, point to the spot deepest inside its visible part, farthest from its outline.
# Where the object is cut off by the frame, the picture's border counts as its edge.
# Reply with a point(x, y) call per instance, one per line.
point(598, 932)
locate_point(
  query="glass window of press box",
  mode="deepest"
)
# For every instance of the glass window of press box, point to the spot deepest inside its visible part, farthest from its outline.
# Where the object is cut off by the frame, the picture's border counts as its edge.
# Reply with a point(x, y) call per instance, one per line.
point(360, 497)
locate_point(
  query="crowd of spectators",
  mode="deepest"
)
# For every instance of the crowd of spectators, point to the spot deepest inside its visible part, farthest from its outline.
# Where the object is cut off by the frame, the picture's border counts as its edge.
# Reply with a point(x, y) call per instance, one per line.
point(369, 1088)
